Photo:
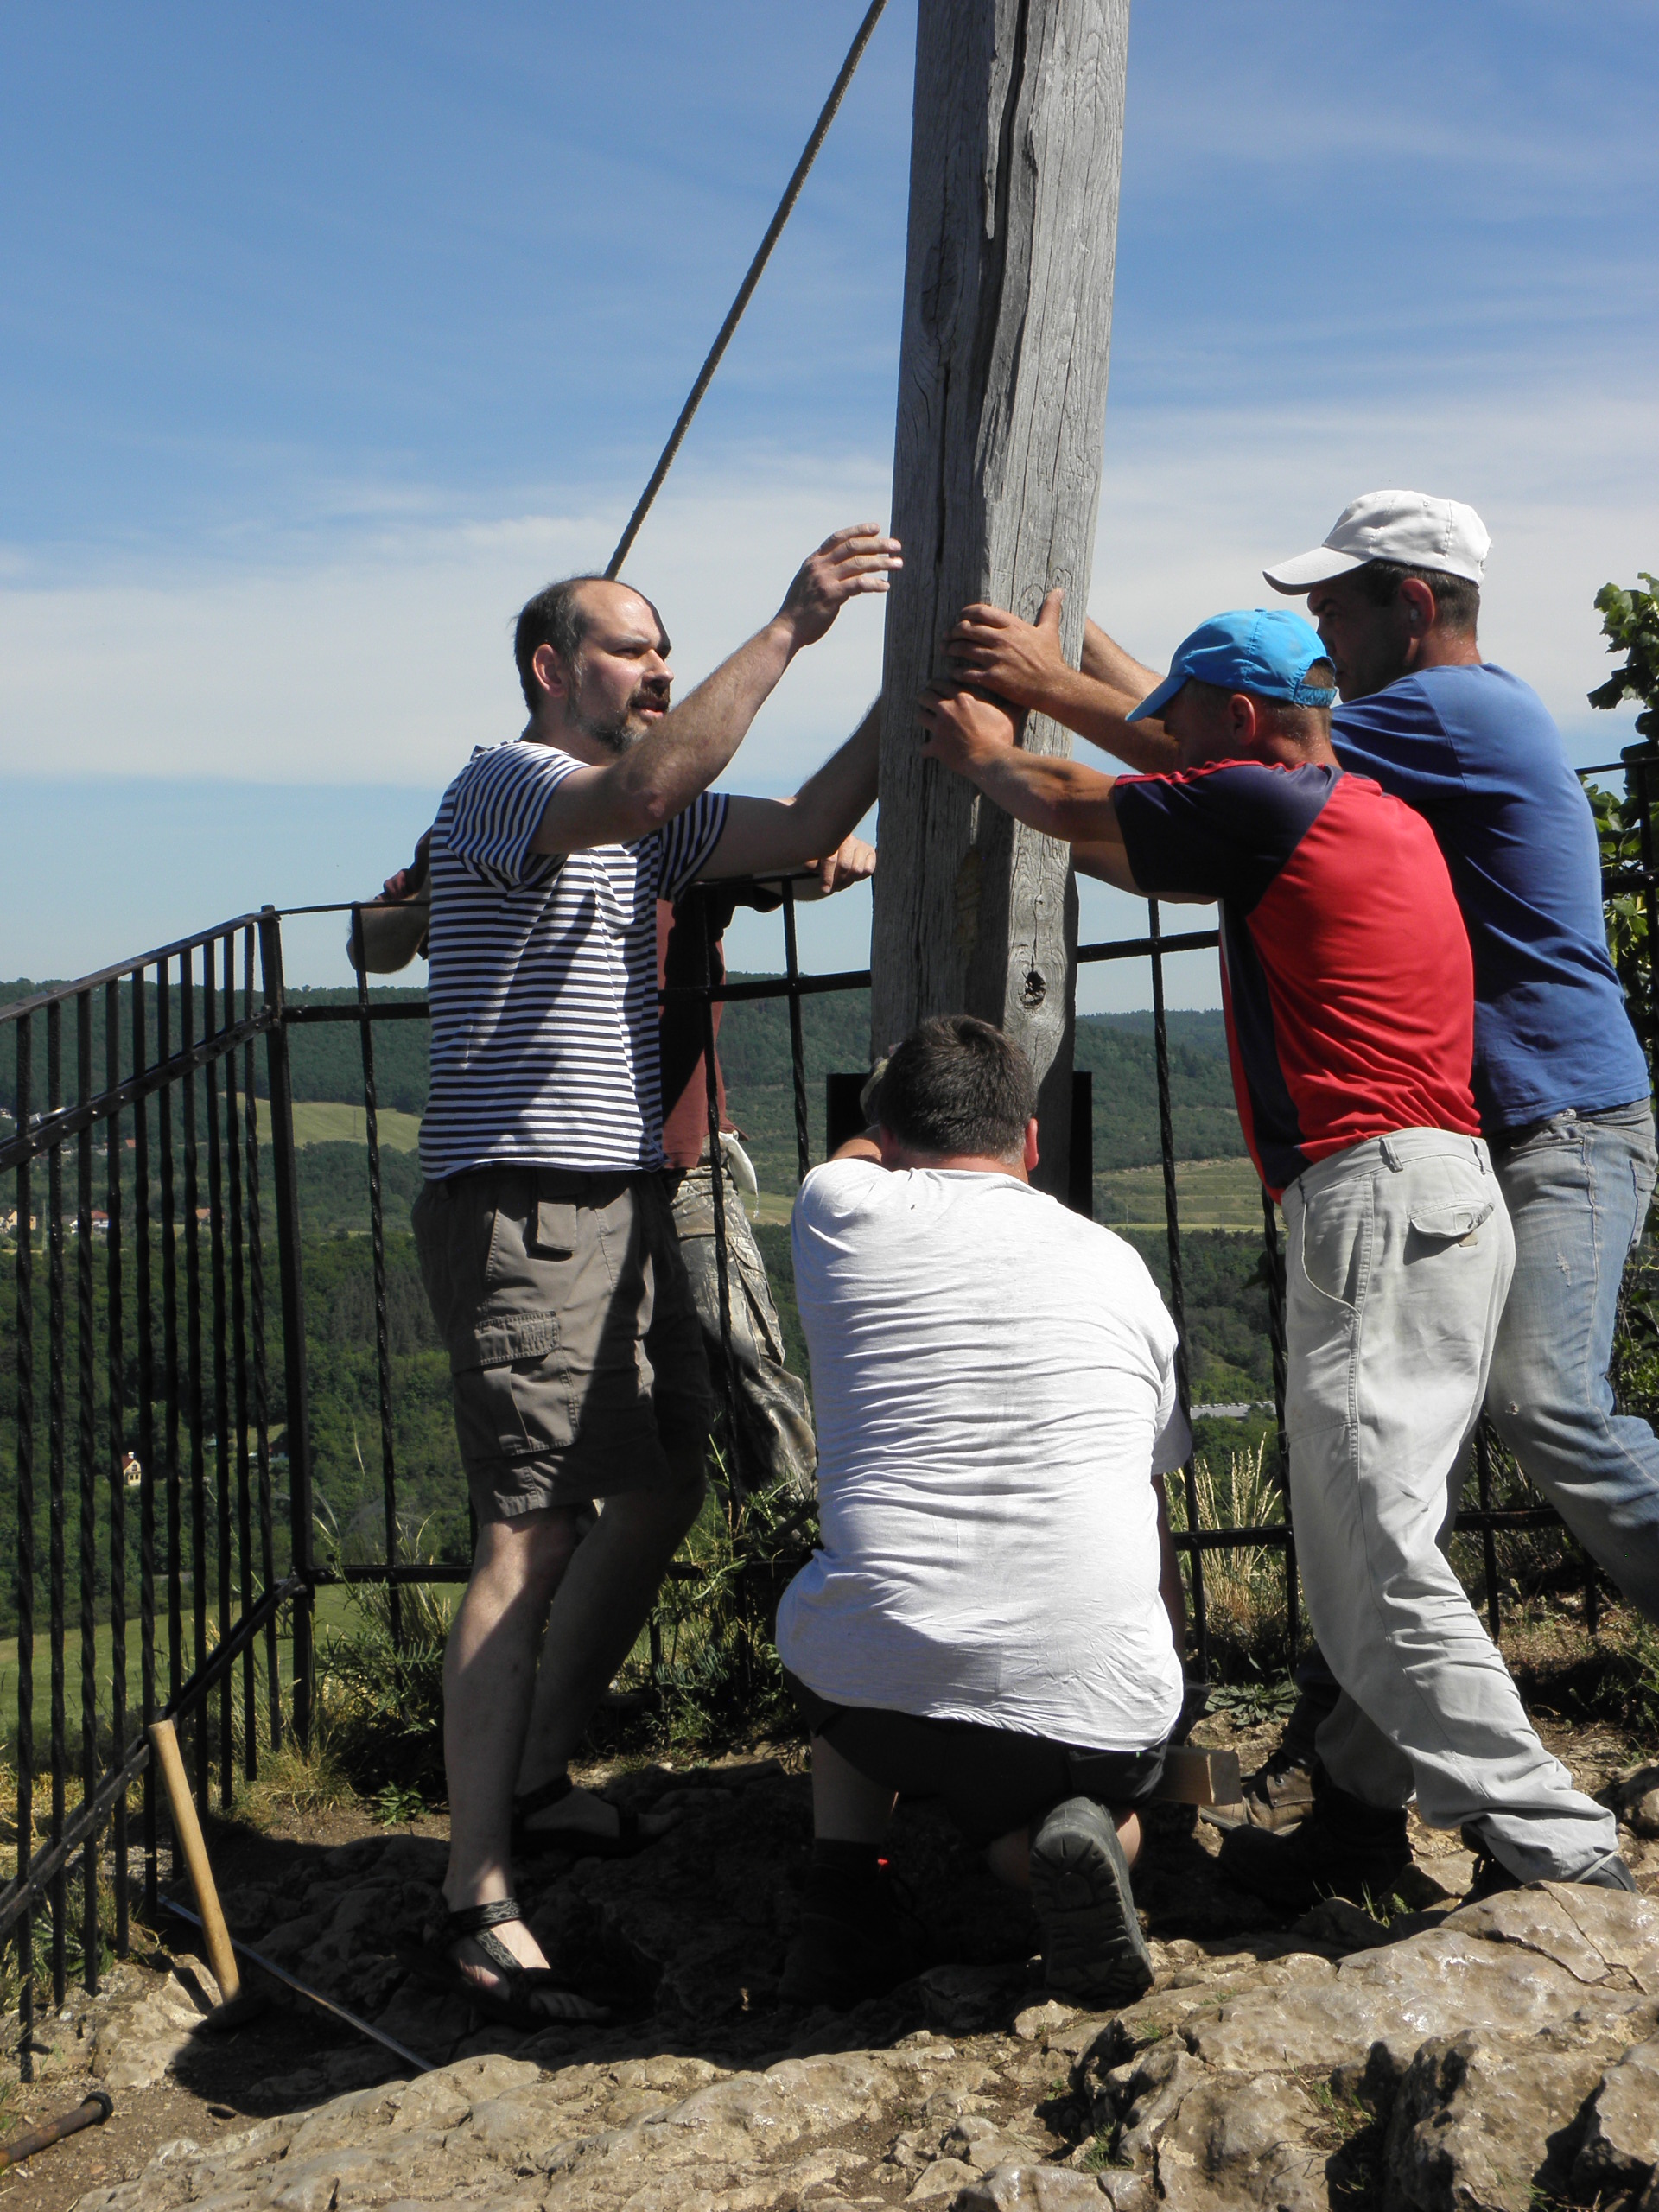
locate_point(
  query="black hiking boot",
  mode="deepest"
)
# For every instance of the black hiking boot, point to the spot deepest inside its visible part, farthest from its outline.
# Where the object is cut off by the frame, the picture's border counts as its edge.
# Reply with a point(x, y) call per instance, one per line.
point(1093, 1954)
point(856, 1938)
point(1492, 1877)
point(1344, 1848)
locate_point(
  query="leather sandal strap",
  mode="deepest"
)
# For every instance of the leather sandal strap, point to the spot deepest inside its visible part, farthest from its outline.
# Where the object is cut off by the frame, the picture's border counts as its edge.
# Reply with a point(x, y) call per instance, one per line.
point(473, 1919)
point(498, 1956)
point(549, 1793)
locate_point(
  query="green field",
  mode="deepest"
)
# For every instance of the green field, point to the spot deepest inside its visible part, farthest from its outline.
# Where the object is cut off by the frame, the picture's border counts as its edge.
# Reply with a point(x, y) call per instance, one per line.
point(1210, 1194)
point(333, 1610)
point(320, 1121)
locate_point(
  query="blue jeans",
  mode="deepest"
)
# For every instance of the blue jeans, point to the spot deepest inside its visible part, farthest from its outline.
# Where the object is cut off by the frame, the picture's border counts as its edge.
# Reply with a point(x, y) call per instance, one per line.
point(1578, 1188)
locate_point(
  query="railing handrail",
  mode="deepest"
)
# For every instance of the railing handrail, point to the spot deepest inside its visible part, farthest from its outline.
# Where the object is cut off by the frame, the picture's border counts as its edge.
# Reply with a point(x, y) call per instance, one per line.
point(15, 1010)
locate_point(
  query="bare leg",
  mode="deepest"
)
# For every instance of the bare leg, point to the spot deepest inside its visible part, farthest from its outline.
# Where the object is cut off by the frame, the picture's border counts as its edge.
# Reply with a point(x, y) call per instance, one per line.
point(1009, 1857)
point(489, 1672)
point(599, 1608)
point(847, 1806)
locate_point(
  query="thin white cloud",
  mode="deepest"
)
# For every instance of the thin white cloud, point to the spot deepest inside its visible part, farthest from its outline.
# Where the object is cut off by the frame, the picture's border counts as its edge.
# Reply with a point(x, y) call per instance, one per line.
point(382, 653)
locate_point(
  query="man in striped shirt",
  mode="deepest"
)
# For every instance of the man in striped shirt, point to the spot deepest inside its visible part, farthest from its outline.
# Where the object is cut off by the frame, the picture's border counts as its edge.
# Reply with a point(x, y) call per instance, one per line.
point(545, 1236)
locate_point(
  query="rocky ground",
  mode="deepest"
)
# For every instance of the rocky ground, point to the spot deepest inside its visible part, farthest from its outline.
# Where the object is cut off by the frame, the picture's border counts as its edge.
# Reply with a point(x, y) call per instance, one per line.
point(1504, 2056)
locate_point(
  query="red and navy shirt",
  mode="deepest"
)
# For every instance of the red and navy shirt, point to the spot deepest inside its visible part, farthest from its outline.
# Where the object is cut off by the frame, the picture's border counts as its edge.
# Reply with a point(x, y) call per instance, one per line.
point(1345, 969)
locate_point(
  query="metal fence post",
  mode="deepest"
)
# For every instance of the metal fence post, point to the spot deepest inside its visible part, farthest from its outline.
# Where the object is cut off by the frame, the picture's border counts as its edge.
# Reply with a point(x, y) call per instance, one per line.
point(293, 1299)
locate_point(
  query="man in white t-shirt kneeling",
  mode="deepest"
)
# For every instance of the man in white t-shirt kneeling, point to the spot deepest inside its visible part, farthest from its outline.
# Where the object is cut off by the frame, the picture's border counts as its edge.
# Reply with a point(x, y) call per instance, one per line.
point(992, 1615)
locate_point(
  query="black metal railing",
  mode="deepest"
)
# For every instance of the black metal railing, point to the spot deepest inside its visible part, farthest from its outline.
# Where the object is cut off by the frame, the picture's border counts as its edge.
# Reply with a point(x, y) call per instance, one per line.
point(154, 1381)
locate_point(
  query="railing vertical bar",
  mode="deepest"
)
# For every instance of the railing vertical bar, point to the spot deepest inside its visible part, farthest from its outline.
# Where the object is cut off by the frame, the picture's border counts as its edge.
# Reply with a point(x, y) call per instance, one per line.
point(142, 1294)
point(117, 1386)
point(170, 1337)
point(1177, 1288)
point(797, 1043)
point(25, 1334)
point(717, 1187)
point(214, 1020)
point(86, 1468)
point(54, 1447)
point(193, 1374)
point(293, 1295)
point(257, 1322)
point(240, 1365)
point(382, 1324)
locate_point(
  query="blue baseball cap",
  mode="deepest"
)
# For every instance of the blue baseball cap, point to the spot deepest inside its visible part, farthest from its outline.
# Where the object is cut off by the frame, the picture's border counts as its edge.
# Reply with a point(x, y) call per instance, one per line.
point(1264, 650)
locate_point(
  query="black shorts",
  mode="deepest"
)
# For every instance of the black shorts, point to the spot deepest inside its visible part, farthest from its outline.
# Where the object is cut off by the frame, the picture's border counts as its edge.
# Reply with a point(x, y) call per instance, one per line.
point(992, 1781)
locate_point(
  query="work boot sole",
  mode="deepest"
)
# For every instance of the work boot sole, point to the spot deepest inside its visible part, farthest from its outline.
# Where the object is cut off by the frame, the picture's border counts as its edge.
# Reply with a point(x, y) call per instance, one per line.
point(1093, 1950)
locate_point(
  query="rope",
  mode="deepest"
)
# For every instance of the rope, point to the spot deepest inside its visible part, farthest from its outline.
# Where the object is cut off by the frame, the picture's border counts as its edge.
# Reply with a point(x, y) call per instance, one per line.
point(745, 291)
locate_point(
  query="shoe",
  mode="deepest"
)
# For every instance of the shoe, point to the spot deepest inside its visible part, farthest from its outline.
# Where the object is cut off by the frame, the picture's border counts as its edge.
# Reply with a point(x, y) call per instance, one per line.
point(1344, 1848)
point(1277, 1795)
point(1493, 1877)
point(1281, 1793)
point(857, 1939)
point(1094, 1952)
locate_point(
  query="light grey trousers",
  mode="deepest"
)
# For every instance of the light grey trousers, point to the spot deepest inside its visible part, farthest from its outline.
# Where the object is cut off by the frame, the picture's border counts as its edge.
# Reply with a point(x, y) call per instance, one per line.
point(1399, 1258)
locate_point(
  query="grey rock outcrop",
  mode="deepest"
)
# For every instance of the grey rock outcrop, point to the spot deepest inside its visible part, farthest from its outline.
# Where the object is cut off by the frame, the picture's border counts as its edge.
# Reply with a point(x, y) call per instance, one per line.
point(1508, 2054)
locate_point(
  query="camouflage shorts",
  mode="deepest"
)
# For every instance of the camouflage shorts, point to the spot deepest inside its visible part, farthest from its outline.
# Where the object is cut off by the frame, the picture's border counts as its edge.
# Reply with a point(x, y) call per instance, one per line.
point(774, 1419)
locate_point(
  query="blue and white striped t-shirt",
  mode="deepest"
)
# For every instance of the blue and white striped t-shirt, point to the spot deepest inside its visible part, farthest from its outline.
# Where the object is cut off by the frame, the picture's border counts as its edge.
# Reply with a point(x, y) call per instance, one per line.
point(542, 975)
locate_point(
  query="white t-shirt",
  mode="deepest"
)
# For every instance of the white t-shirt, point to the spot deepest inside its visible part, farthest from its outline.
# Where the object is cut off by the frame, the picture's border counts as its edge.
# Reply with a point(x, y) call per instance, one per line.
point(993, 1385)
point(542, 975)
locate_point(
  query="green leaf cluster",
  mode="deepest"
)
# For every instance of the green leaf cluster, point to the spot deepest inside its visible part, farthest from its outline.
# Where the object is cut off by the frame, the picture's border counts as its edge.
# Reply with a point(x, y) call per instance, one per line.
point(1629, 622)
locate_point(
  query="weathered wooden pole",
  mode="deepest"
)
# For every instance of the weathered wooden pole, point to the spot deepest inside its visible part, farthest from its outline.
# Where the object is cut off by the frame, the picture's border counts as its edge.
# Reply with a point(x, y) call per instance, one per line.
point(1017, 144)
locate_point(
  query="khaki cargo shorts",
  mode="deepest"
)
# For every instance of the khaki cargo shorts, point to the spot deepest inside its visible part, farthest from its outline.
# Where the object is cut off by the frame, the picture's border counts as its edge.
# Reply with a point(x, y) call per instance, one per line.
point(574, 1347)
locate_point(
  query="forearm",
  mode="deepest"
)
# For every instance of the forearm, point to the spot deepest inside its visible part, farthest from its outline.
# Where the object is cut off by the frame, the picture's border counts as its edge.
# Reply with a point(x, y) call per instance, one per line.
point(766, 835)
point(1096, 701)
point(1060, 798)
point(835, 798)
point(1107, 663)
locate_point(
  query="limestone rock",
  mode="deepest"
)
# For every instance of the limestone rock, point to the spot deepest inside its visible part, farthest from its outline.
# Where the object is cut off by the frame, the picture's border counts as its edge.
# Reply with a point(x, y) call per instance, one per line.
point(1239, 2141)
point(1036, 2188)
point(135, 2043)
point(944, 2178)
point(1473, 2057)
point(1492, 2121)
point(1620, 2145)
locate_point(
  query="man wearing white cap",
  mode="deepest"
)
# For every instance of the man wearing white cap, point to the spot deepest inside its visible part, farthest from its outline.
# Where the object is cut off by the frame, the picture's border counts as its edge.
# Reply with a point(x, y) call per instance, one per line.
point(1559, 1079)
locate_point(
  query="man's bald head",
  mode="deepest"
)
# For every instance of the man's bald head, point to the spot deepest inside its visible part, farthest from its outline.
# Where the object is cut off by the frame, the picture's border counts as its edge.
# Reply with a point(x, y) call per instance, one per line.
point(561, 614)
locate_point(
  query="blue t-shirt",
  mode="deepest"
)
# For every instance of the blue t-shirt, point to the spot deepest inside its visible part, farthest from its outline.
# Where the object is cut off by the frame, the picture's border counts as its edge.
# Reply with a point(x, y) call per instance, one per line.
point(1475, 751)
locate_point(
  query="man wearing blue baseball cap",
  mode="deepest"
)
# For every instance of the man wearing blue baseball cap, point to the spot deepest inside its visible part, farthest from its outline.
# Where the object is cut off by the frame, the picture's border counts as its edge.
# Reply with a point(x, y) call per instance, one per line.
point(1349, 993)
point(1558, 1077)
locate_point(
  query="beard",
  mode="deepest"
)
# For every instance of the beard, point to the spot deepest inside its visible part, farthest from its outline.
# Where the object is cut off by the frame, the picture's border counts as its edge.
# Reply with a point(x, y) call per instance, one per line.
point(618, 733)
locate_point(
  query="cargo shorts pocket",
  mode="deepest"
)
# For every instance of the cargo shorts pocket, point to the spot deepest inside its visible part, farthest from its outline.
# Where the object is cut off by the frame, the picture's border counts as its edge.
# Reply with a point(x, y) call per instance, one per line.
point(513, 1392)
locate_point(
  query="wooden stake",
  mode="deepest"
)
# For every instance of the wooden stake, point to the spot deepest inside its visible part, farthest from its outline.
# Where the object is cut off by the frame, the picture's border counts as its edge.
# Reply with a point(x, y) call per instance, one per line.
point(1192, 1776)
point(186, 1830)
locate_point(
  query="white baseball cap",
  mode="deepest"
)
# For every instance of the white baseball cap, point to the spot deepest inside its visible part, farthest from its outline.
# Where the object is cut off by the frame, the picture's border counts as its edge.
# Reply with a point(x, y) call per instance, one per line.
point(1407, 527)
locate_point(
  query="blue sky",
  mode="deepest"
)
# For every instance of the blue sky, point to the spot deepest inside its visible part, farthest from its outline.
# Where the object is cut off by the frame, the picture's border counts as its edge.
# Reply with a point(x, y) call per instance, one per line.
point(329, 333)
